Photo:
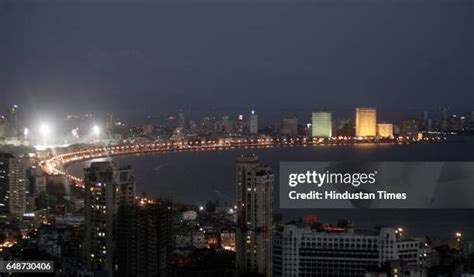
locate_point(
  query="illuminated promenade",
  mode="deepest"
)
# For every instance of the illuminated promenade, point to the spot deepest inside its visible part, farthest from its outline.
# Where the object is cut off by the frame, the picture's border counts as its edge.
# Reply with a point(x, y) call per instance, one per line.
point(55, 165)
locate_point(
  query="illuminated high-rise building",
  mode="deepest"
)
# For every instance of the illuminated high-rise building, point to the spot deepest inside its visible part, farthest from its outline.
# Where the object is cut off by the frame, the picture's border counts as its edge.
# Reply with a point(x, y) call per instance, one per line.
point(240, 124)
point(254, 216)
point(385, 130)
point(253, 123)
point(321, 125)
point(13, 184)
point(5, 159)
point(107, 188)
point(366, 122)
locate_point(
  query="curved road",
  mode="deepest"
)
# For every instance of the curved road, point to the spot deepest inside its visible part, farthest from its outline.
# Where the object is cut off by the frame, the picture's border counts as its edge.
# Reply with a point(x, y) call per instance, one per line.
point(55, 165)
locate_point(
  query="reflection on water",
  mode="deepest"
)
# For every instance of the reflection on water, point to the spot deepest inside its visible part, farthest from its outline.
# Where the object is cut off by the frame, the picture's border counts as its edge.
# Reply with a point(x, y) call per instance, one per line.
point(196, 177)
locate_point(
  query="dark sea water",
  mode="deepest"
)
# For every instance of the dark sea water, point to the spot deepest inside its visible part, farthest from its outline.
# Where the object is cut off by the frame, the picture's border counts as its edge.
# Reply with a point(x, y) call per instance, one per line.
point(197, 177)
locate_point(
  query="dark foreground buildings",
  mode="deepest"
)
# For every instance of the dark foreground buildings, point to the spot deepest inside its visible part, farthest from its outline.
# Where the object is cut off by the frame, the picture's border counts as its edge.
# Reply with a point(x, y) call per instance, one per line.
point(254, 183)
point(144, 240)
point(125, 235)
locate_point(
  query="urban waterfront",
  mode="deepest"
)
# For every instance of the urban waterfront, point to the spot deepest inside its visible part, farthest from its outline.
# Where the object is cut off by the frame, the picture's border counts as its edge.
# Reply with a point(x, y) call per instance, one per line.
point(204, 138)
point(197, 177)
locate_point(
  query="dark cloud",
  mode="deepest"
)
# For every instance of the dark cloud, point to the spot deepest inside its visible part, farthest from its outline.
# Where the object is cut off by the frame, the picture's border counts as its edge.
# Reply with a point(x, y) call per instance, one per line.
point(137, 58)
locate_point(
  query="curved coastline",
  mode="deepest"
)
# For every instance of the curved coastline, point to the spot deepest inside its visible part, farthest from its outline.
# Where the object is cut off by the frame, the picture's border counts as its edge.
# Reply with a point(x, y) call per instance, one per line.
point(57, 165)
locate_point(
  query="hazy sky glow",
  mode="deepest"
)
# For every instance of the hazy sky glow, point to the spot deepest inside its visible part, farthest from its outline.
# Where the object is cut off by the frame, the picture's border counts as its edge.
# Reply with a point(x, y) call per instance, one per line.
point(148, 57)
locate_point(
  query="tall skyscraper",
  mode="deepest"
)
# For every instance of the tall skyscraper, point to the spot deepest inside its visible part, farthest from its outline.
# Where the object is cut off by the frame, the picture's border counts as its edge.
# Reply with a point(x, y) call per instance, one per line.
point(253, 123)
point(109, 124)
point(254, 201)
point(4, 186)
point(240, 124)
point(144, 237)
point(385, 130)
point(107, 188)
point(13, 184)
point(321, 125)
point(366, 122)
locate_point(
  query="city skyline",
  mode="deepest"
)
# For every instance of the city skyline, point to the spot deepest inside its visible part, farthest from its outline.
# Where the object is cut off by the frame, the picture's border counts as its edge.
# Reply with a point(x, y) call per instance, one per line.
point(11, 126)
point(237, 138)
point(110, 204)
point(265, 117)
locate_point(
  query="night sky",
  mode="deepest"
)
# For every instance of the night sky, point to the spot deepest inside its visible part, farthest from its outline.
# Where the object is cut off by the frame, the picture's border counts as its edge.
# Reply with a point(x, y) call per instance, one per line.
point(139, 58)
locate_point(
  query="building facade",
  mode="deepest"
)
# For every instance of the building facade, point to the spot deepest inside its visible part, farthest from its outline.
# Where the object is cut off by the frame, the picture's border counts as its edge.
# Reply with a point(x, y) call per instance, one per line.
point(303, 251)
point(4, 186)
point(254, 209)
point(385, 130)
point(321, 125)
point(144, 237)
point(366, 122)
point(107, 188)
point(253, 123)
point(13, 184)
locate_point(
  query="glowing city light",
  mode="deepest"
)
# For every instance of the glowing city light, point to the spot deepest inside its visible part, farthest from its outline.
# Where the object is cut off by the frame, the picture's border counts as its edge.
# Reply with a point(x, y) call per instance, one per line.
point(45, 130)
point(96, 130)
point(75, 133)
